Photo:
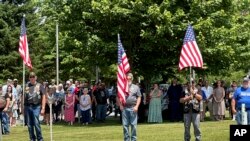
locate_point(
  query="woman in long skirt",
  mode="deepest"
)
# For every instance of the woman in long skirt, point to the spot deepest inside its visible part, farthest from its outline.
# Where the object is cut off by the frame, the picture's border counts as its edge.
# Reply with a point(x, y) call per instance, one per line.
point(154, 114)
point(69, 115)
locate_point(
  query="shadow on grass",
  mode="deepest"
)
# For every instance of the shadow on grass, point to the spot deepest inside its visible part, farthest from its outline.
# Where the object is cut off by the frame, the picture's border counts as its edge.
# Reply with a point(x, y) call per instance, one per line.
point(115, 121)
point(110, 121)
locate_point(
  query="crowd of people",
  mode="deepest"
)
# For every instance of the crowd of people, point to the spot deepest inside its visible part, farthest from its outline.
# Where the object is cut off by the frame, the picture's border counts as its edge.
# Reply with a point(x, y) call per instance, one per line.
point(71, 101)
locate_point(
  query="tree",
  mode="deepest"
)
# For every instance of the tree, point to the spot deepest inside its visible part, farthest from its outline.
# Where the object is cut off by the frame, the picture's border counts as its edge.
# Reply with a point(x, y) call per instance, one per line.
point(152, 33)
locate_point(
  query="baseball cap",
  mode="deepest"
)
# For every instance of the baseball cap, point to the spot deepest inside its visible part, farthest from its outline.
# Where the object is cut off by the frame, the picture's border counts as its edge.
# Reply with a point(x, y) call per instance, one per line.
point(15, 79)
point(32, 74)
point(245, 79)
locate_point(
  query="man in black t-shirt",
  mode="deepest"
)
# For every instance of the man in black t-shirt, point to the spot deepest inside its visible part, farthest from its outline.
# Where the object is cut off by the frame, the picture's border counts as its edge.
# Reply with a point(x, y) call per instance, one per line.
point(101, 99)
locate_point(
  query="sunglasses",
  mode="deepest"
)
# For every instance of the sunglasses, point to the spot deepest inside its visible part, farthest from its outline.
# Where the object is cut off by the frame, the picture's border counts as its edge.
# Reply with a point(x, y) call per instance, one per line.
point(32, 76)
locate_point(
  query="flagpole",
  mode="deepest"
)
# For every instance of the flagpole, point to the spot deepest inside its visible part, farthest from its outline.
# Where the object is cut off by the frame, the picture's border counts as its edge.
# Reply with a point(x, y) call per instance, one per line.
point(57, 55)
point(23, 93)
point(51, 137)
point(190, 75)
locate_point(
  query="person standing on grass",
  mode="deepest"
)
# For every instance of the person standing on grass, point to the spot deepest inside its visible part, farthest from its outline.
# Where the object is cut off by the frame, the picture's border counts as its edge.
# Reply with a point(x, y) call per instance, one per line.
point(101, 100)
point(154, 113)
point(218, 102)
point(85, 105)
point(191, 99)
point(19, 95)
point(229, 95)
point(207, 103)
point(241, 95)
point(4, 104)
point(69, 115)
point(174, 94)
point(34, 105)
point(49, 100)
point(130, 109)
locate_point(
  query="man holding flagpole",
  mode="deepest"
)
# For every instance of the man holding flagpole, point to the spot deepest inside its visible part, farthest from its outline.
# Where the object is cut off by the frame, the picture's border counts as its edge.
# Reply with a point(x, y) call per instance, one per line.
point(191, 97)
point(129, 95)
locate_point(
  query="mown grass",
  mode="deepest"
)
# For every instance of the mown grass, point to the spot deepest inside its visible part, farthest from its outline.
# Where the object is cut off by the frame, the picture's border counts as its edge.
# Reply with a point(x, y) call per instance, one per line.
point(112, 131)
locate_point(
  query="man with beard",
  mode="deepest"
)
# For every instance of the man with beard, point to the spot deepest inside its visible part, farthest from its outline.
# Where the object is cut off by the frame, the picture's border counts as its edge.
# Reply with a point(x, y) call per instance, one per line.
point(241, 96)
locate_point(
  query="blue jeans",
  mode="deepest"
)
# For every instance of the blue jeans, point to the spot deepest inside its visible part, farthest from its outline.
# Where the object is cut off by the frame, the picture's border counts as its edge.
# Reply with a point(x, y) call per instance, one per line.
point(195, 119)
point(238, 117)
point(5, 122)
point(129, 117)
point(32, 114)
point(101, 111)
point(85, 116)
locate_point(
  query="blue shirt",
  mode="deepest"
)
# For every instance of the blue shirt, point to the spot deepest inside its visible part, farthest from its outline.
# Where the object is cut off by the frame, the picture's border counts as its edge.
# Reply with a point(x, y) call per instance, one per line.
point(242, 95)
point(204, 97)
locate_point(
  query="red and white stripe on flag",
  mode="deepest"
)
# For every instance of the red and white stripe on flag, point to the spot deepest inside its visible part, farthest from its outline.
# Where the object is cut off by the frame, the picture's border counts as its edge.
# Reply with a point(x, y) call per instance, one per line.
point(190, 53)
point(123, 69)
point(23, 46)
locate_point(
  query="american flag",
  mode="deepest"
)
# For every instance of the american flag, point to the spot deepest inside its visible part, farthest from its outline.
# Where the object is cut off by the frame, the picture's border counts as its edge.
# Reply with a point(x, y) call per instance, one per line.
point(123, 69)
point(190, 53)
point(23, 46)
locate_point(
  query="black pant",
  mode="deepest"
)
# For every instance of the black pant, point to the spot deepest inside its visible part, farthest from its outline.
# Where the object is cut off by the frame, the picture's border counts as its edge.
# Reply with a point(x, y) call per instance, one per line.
point(141, 113)
point(93, 112)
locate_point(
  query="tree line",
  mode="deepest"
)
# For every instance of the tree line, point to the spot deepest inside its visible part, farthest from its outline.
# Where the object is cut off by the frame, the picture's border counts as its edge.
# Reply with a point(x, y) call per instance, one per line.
point(152, 33)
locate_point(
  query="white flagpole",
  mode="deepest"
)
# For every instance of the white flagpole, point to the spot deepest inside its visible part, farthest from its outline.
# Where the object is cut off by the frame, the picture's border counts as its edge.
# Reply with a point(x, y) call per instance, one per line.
point(23, 94)
point(50, 106)
point(57, 56)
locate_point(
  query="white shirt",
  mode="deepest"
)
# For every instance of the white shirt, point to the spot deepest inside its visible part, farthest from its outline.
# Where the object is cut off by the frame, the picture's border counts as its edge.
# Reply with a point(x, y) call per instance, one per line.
point(84, 100)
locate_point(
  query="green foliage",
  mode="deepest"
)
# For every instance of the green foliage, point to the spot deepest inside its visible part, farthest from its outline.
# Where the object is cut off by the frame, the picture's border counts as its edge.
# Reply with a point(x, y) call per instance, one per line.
point(151, 31)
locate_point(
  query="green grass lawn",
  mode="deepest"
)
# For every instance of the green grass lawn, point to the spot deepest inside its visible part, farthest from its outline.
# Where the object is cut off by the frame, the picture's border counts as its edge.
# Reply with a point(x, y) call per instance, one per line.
point(112, 131)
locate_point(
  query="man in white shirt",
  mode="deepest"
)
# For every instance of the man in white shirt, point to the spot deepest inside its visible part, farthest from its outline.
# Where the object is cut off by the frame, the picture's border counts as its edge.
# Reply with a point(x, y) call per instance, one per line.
point(207, 103)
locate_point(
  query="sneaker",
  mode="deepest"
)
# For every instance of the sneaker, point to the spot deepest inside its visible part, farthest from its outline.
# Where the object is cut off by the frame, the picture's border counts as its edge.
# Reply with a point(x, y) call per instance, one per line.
point(234, 118)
